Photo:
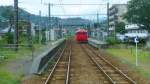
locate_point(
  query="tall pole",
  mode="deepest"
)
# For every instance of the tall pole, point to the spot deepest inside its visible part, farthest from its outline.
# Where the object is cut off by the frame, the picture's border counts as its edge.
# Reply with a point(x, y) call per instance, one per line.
point(136, 51)
point(97, 25)
point(49, 13)
point(97, 17)
point(49, 16)
point(40, 28)
point(108, 17)
point(16, 36)
point(29, 30)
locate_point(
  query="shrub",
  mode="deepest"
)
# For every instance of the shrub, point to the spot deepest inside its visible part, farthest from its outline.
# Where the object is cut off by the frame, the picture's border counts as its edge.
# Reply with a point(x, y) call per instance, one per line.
point(9, 38)
point(112, 40)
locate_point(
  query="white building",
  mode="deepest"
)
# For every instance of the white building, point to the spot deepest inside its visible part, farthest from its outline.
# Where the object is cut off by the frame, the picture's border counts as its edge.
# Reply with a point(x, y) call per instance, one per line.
point(33, 29)
point(52, 35)
point(116, 13)
point(134, 30)
point(55, 34)
point(64, 32)
point(47, 35)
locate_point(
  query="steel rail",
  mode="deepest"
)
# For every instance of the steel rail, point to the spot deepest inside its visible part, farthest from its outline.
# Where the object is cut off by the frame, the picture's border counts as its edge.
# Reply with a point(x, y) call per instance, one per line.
point(68, 68)
point(50, 75)
point(127, 77)
point(99, 67)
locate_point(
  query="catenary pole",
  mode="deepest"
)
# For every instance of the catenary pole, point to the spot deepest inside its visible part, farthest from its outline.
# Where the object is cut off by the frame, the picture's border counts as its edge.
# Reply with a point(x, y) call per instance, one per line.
point(108, 17)
point(39, 28)
point(49, 13)
point(16, 36)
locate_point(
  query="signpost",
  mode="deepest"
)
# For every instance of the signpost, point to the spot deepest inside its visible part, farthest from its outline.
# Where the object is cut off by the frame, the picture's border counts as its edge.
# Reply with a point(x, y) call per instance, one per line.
point(136, 50)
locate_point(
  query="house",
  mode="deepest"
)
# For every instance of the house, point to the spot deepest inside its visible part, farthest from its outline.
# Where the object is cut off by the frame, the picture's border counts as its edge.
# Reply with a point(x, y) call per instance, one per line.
point(55, 33)
point(33, 26)
point(3, 31)
point(134, 30)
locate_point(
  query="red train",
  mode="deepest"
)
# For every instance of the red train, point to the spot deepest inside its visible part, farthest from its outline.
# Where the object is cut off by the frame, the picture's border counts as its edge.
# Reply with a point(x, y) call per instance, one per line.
point(81, 36)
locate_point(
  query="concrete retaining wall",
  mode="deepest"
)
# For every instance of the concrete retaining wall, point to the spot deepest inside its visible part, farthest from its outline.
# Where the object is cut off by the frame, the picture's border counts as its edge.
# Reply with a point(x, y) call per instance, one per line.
point(41, 62)
point(97, 43)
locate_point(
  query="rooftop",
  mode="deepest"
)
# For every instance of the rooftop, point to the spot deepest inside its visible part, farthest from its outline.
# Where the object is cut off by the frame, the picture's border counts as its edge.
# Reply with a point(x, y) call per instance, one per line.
point(131, 26)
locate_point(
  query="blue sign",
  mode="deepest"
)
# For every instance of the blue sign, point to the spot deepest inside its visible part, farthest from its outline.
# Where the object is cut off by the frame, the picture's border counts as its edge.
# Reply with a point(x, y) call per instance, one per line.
point(136, 40)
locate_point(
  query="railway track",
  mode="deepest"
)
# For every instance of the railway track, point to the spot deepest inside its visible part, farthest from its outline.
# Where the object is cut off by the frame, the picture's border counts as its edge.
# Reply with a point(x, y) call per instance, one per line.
point(112, 73)
point(83, 70)
point(59, 74)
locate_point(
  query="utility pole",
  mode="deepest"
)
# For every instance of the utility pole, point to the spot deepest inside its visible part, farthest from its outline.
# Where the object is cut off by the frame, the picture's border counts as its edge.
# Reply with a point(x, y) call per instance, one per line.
point(49, 13)
point(97, 34)
point(39, 28)
point(108, 17)
point(97, 17)
point(29, 37)
point(49, 18)
point(16, 36)
point(29, 30)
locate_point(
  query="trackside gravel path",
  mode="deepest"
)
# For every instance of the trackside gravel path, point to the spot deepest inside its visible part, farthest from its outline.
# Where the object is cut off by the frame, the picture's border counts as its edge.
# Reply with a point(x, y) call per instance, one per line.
point(83, 71)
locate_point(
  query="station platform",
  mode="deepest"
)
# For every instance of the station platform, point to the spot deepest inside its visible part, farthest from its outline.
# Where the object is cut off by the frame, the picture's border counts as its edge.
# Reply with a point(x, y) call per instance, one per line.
point(97, 43)
point(41, 61)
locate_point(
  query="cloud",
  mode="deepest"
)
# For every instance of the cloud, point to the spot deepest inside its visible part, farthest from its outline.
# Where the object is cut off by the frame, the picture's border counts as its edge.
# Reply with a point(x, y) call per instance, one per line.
point(6, 2)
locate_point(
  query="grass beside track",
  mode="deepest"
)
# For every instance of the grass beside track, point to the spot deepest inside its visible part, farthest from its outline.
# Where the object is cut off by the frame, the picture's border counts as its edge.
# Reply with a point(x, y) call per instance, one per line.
point(128, 57)
point(6, 76)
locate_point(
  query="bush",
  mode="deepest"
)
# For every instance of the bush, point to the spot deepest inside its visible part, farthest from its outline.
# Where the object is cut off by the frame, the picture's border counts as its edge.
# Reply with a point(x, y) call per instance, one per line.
point(112, 40)
point(8, 38)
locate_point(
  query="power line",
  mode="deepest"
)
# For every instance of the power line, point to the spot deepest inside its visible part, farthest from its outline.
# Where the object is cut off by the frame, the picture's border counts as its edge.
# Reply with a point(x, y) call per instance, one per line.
point(54, 4)
point(49, 13)
point(62, 6)
point(79, 15)
point(60, 23)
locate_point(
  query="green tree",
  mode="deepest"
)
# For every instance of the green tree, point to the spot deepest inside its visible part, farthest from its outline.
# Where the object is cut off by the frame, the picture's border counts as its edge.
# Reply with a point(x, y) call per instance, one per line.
point(8, 13)
point(9, 37)
point(23, 25)
point(120, 27)
point(138, 13)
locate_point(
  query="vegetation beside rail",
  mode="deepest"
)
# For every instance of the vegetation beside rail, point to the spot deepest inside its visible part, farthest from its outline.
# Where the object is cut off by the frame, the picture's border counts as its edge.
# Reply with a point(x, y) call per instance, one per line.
point(9, 55)
point(127, 56)
point(9, 78)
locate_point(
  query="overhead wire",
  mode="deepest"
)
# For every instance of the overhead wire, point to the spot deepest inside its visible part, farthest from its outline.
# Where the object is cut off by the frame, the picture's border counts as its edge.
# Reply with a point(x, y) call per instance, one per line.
point(63, 10)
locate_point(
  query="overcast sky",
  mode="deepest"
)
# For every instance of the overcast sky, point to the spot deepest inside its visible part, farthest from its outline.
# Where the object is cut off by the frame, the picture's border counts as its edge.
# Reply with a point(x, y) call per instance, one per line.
point(33, 6)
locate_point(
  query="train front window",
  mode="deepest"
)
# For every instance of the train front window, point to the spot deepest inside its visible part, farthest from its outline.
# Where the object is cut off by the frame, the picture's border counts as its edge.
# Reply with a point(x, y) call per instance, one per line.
point(82, 33)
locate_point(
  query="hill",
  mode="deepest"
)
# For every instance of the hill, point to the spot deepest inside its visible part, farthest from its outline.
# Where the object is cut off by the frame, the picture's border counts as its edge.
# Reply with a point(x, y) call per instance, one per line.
point(6, 12)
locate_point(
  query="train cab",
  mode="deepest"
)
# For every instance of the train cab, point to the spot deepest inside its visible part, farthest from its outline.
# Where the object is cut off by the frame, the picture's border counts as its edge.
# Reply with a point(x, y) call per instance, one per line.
point(81, 36)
